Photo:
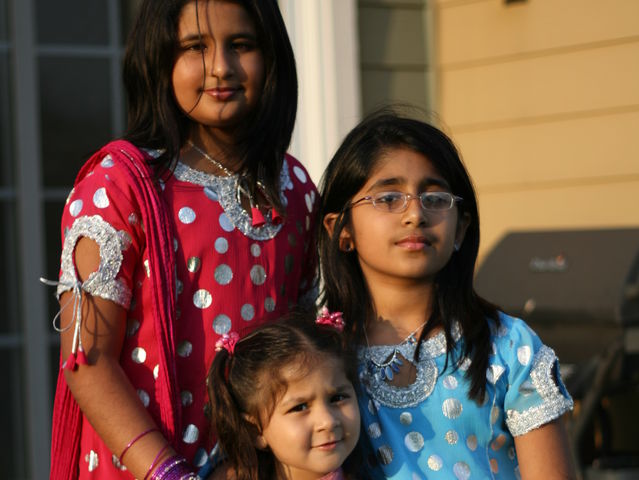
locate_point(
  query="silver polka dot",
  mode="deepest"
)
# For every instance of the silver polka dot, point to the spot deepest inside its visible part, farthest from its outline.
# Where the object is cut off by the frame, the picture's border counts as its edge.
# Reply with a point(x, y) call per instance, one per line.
point(193, 264)
point(202, 299)
point(156, 372)
point(221, 245)
point(187, 398)
point(435, 463)
point(414, 441)
point(471, 442)
point(191, 434)
point(186, 215)
point(371, 407)
point(523, 355)
point(288, 263)
point(223, 274)
point(451, 437)
point(138, 355)
point(309, 202)
point(144, 397)
point(92, 460)
point(385, 454)
point(179, 286)
point(258, 275)
point(133, 218)
point(176, 245)
point(185, 349)
point(132, 326)
point(465, 364)
point(256, 250)
point(100, 198)
point(300, 174)
point(116, 463)
point(125, 240)
point(452, 408)
point(211, 194)
point(225, 223)
point(450, 382)
point(221, 324)
point(269, 304)
point(461, 471)
point(494, 415)
point(494, 372)
point(147, 270)
point(247, 311)
point(200, 457)
point(75, 208)
point(406, 418)
point(374, 431)
point(107, 162)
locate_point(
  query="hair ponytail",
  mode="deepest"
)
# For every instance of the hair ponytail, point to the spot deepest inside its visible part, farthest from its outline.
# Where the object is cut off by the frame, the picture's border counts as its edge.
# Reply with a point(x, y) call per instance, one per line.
point(229, 420)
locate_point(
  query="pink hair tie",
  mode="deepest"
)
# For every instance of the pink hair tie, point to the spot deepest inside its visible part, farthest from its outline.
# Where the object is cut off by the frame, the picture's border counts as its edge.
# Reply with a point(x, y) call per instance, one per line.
point(332, 319)
point(227, 342)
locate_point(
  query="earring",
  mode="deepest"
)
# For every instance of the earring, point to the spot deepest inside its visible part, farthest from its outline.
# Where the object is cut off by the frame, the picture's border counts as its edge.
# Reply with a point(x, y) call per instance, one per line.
point(349, 247)
point(457, 247)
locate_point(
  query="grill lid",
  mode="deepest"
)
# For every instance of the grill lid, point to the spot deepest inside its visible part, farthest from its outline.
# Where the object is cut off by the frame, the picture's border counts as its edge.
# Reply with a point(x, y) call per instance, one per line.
point(576, 276)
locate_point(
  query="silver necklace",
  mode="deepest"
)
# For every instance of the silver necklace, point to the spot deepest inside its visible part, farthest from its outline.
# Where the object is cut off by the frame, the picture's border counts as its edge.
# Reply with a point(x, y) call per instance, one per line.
point(214, 162)
point(388, 368)
point(257, 218)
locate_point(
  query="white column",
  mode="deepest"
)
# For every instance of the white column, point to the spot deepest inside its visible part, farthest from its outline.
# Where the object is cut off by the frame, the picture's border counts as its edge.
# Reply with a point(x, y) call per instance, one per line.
point(325, 41)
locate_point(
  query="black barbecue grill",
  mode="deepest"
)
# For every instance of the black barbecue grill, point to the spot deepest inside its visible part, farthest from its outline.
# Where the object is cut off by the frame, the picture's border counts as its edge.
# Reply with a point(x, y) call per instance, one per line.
point(579, 290)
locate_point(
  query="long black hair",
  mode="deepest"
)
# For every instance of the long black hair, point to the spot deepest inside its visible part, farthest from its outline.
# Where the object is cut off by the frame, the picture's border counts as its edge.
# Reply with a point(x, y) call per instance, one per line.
point(345, 287)
point(244, 387)
point(156, 121)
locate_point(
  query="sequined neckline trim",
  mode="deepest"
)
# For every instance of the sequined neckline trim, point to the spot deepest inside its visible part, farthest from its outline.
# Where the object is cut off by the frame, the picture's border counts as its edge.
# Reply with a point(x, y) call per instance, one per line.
point(426, 370)
point(223, 190)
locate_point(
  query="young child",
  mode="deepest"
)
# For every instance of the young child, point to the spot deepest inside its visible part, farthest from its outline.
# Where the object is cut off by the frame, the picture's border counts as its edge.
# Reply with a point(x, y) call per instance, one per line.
point(196, 224)
point(283, 402)
point(451, 387)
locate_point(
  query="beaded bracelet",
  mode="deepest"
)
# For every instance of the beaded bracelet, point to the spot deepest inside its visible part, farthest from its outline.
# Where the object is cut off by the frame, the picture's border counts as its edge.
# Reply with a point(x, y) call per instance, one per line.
point(173, 468)
point(138, 437)
point(155, 460)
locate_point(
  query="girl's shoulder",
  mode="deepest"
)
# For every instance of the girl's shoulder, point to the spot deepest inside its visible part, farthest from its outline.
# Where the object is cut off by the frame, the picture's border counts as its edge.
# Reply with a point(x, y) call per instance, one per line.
point(295, 176)
point(511, 331)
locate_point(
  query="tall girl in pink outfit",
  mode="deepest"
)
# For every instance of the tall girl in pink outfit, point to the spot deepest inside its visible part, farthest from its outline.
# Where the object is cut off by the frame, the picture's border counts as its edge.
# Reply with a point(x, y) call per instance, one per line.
point(196, 223)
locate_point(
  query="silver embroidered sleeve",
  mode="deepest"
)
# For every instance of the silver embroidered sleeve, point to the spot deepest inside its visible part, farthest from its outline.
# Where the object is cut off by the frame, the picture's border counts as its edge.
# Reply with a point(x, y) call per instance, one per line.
point(554, 402)
point(103, 282)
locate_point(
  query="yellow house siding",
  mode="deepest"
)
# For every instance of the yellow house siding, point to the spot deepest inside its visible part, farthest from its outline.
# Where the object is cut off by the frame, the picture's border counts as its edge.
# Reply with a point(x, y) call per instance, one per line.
point(542, 98)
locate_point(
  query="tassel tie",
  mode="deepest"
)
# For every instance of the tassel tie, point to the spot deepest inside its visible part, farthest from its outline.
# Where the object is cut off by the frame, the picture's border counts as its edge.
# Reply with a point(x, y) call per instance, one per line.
point(257, 217)
point(77, 355)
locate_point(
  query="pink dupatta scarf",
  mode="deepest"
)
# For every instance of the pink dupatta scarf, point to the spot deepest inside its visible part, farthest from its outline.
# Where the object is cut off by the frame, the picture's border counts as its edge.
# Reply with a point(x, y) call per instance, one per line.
point(67, 418)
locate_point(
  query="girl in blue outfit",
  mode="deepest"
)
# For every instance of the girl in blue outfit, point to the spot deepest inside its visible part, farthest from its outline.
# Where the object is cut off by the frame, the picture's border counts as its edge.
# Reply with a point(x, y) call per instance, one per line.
point(450, 386)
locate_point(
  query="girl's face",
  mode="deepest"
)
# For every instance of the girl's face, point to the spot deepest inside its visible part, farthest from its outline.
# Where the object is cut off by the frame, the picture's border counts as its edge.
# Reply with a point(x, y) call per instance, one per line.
point(315, 424)
point(218, 78)
point(412, 245)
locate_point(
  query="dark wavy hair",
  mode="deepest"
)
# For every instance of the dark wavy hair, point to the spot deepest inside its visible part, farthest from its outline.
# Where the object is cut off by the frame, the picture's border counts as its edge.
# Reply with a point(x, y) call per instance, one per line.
point(250, 382)
point(345, 287)
point(156, 121)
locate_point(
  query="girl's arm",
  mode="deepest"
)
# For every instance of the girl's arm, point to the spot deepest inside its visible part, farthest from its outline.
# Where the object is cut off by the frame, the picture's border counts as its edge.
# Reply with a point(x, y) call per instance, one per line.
point(103, 391)
point(543, 453)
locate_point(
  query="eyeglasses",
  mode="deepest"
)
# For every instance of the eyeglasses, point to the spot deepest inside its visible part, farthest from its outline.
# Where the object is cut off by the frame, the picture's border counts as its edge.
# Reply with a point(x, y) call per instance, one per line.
point(396, 202)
